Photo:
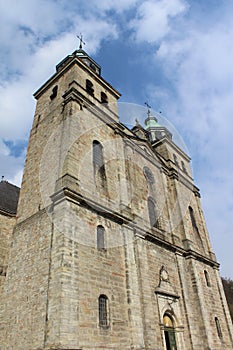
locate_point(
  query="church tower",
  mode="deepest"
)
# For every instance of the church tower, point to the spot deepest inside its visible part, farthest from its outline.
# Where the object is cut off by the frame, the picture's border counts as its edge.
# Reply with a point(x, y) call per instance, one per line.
point(110, 249)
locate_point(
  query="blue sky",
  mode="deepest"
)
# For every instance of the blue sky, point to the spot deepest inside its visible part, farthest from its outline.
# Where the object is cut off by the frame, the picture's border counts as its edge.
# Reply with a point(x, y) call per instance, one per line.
point(176, 54)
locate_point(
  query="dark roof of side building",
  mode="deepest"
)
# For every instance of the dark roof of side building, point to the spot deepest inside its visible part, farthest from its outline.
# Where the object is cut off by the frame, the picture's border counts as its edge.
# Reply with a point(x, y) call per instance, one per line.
point(9, 196)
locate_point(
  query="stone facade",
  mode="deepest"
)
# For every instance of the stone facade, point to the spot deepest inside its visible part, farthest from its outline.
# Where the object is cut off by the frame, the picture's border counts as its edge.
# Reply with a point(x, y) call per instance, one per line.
point(7, 223)
point(110, 249)
point(9, 195)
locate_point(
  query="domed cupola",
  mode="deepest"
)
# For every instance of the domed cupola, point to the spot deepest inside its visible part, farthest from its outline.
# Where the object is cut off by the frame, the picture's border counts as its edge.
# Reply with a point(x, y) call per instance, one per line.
point(154, 130)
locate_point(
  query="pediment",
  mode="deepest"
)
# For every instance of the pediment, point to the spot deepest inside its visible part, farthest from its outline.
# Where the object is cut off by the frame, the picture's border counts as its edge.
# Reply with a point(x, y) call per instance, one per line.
point(147, 150)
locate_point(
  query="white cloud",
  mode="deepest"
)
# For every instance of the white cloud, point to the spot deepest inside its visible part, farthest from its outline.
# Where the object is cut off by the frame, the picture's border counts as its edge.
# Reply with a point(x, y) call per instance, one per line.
point(17, 103)
point(4, 151)
point(17, 178)
point(153, 20)
point(118, 6)
point(31, 24)
point(24, 26)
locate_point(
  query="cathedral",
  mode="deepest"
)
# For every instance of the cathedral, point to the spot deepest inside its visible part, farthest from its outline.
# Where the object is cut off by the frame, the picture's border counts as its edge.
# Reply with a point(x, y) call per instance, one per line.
point(107, 247)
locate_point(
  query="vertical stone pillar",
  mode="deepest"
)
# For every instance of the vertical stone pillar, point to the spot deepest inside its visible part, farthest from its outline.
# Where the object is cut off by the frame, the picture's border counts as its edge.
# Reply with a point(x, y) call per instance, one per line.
point(135, 311)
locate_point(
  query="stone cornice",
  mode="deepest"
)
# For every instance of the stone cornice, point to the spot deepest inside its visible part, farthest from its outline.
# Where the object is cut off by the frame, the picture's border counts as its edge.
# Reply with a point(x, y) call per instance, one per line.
point(75, 60)
point(188, 254)
point(124, 217)
point(76, 198)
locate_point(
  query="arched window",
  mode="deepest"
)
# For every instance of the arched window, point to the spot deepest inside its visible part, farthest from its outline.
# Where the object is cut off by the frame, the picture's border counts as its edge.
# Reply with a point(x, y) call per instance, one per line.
point(175, 160)
point(169, 333)
point(218, 327)
point(193, 220)
point(183, 167)
point(100, 237)
point(148, 174)
point(196, 233)
point(89, 87)
point(152, 212)
point(54, 92)
point(98, 158)
point(103, 311)
point(150, 180)
point(98, 163)
point(104, 97)
point(207, 278)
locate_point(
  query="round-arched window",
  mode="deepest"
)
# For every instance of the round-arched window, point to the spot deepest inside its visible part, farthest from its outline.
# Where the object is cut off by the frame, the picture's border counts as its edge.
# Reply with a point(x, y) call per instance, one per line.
point(169, 332)
point(149, 175)
point(167, 321)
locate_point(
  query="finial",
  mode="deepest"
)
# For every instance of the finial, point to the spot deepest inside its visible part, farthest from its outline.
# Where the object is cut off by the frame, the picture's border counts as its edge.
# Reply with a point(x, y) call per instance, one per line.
point(137, 122)
point(149, 107)
point(81, 41)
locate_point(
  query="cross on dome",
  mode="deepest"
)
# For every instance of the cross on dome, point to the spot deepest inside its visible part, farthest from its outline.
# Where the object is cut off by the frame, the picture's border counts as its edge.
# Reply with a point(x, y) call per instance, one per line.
point(149, 107)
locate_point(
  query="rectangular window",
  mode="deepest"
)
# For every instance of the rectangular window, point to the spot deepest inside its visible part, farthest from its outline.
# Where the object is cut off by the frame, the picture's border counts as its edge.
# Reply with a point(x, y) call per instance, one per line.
point(103, 311)
point(100, 237)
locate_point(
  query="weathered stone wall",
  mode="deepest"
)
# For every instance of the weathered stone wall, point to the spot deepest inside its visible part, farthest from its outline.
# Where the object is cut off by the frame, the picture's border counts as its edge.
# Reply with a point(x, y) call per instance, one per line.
point(24, 301)
point(84, 273)
point(7, 224)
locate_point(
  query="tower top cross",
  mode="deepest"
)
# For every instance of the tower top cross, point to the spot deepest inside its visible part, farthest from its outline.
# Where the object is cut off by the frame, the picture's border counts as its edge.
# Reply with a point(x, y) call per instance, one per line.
point(80, 37)
point(149, 107)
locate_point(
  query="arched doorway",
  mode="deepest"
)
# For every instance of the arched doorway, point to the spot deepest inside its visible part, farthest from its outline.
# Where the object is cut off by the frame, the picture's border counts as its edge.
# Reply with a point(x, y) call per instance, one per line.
point(169, 332)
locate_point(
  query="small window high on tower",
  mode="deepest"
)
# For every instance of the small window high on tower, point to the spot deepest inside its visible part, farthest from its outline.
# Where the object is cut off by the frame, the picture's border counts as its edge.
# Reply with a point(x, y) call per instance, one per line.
point(89, 87)
point(54, 92)
point(104, 97)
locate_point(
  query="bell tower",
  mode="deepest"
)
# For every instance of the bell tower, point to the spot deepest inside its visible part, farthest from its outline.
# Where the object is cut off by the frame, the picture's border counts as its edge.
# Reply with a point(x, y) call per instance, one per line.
point(76, 86)
point(61, 200)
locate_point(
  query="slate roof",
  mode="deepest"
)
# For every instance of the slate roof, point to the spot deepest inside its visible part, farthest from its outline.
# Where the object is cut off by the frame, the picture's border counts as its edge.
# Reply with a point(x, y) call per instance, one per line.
point(9, 195)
